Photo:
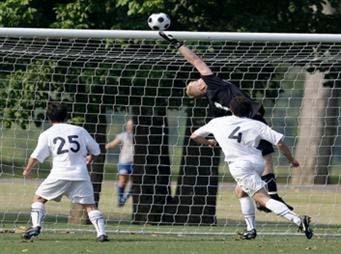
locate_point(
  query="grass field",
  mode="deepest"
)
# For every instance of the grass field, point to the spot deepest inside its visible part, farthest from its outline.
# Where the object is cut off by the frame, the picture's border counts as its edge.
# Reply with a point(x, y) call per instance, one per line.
point(50, 243)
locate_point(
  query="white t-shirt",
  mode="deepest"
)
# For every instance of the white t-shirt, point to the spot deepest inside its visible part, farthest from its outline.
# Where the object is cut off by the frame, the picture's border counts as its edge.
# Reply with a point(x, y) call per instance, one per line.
point(127, 148)
point(238, 137)
point(68, 145)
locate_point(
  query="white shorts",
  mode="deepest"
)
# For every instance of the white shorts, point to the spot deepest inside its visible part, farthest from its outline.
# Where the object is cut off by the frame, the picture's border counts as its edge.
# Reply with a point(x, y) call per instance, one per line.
point(80, 192)
point(248, 175)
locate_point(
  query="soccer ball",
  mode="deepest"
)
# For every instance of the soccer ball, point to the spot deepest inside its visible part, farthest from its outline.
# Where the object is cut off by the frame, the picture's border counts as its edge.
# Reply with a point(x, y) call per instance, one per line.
point(159, 21)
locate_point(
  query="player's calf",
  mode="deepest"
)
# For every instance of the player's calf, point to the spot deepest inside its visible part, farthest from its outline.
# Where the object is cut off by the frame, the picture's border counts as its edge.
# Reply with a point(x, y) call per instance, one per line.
point(97, 219)
point(270, 180)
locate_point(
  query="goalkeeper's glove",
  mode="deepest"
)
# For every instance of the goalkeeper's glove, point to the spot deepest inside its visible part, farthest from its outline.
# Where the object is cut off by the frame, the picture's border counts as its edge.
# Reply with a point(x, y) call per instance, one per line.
point(174, 42)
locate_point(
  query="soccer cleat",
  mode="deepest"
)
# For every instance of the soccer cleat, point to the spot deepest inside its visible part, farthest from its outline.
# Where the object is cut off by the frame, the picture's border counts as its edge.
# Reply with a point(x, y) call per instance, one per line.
point(122, 201)
point(278, 198)
point(31, 232)
point(305, 226)
point(248, 235)
point(102, 238)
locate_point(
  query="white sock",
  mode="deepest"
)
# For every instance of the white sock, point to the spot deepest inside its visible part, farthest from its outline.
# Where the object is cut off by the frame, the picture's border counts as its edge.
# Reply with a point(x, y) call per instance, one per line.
point(248, 210)
point(282, 210)
point(97, 219)
point(37, 214)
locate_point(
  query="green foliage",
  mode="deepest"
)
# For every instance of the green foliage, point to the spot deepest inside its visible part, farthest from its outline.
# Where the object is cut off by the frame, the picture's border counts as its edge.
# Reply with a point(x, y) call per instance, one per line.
point(16, 13)
point(72, 15)
point(220, 15)
point(24, 91)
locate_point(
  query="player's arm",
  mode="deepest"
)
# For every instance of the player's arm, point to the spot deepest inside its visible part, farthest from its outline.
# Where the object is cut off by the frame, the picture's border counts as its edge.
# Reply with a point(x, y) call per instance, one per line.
point(199, 136)
point(195, 60)
point(284, 149)
point(40, 153)
point(113, 144)
point(31, 163)
point(188, 54)
point(203, 141)
point(276, 138)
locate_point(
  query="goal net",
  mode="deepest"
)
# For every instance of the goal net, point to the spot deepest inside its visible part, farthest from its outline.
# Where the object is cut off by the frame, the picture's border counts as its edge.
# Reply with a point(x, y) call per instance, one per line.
point(178, 187)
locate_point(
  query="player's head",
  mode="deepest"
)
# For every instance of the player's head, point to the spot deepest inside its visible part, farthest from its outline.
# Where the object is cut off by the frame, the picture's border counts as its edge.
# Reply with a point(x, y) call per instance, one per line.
point(130, 125)
point(240, 106)
point(196, 89)
point(56, 112)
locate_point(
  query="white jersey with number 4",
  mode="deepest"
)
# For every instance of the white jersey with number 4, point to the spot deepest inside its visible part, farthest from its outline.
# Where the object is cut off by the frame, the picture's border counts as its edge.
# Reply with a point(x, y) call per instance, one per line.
point(68, 145)
point(238, 137)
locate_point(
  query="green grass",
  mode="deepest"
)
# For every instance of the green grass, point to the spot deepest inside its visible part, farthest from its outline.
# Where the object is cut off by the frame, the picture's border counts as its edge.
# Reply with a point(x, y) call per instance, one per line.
point(49, 243)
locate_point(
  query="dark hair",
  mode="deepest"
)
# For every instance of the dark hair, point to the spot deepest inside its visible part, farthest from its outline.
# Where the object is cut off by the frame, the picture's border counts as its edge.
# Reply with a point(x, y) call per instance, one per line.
point(56, 112)
point(241, 106)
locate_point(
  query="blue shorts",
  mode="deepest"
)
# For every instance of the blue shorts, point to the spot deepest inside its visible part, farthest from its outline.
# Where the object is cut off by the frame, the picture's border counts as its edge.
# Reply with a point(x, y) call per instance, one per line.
point(125, 169)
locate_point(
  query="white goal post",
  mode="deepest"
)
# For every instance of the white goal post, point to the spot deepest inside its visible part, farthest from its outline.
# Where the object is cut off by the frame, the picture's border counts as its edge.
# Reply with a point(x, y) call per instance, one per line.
point(109, 76)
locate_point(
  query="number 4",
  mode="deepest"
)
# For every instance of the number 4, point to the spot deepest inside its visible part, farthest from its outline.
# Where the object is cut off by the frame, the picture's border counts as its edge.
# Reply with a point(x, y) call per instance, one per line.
point(238, 136)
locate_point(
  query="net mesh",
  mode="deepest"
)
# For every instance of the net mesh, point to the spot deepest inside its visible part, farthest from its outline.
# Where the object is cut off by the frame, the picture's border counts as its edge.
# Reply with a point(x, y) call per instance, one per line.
point(177, 186)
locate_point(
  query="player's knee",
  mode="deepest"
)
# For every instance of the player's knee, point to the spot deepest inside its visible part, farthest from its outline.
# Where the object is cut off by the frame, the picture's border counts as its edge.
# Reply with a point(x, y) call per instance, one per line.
point(238, 191)
point(39, 199)
point(89, 207)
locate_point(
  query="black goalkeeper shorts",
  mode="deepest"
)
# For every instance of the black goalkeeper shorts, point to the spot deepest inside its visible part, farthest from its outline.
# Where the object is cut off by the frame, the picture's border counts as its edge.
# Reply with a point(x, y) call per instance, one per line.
point(265, 146)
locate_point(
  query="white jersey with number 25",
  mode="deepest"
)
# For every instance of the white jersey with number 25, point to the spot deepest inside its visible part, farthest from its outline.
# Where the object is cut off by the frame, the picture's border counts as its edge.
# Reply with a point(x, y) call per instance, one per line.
point(68, 145)
point(239, 136)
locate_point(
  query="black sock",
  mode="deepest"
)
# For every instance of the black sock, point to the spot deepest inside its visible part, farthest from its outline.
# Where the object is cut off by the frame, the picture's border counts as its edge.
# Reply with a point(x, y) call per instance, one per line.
point(270, 180)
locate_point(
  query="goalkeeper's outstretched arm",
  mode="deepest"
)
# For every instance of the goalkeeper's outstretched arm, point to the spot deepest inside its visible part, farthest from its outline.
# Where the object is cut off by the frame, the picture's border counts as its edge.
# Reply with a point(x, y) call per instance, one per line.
point(195, 60)
point(188, 54)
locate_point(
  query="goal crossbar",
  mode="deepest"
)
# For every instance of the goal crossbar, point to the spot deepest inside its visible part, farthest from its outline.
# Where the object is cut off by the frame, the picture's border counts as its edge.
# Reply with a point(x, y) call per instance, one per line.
point(137, 34)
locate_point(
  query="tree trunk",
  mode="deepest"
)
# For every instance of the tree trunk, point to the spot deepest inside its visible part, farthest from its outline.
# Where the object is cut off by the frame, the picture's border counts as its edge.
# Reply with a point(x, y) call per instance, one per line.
point(151, 189)
point(316, 129)
point(97, 126)
point(195, 199)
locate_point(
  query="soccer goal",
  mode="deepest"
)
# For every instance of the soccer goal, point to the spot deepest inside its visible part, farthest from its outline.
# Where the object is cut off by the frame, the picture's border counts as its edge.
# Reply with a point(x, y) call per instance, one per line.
point(178, 187)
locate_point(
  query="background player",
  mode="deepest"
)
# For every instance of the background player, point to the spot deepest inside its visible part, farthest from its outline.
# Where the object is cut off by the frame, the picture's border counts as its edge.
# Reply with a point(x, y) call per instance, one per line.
point(126, 159)
point(238, 136)
point(71, 148)
point(219, 94)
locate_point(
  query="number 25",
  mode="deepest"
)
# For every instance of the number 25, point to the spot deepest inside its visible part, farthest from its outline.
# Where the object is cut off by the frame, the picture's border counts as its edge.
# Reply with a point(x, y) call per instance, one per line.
point(71, 140)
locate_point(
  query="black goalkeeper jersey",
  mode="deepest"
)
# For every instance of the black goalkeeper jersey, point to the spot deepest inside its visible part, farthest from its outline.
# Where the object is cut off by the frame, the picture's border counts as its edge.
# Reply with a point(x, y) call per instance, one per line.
point(220, 93)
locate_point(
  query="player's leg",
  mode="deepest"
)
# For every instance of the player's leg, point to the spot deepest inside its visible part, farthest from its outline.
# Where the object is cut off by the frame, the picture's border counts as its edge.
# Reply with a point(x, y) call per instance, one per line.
point(37, 217)
point(97, 219)
point(123, 178)
point(81, 192)
point(262, 197)
point(49, 189)
point(248, 210)
point(269, 177)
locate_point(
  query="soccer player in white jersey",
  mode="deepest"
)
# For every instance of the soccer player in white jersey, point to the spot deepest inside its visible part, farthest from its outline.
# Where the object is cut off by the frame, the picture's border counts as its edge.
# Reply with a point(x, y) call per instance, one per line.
point(238, 136)
point(125, 165)
point(71, 148)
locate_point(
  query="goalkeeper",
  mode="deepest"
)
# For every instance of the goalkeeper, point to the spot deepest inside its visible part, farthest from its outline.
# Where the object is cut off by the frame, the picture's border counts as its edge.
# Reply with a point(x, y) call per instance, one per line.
point(219, 94)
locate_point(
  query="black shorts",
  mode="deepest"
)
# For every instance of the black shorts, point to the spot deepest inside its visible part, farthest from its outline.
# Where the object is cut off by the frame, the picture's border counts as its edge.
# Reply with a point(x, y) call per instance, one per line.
point(265, 146)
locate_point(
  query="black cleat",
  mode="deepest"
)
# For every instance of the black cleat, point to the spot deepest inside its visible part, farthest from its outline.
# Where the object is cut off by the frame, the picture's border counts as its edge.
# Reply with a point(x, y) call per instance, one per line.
point(248, 235)
point(278, 198)
point(305, 226)
point(31, 232)
point(102, 238)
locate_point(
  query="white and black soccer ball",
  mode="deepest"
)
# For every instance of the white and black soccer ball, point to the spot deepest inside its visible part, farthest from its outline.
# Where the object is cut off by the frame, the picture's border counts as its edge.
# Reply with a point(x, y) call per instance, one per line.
point(159, 21)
